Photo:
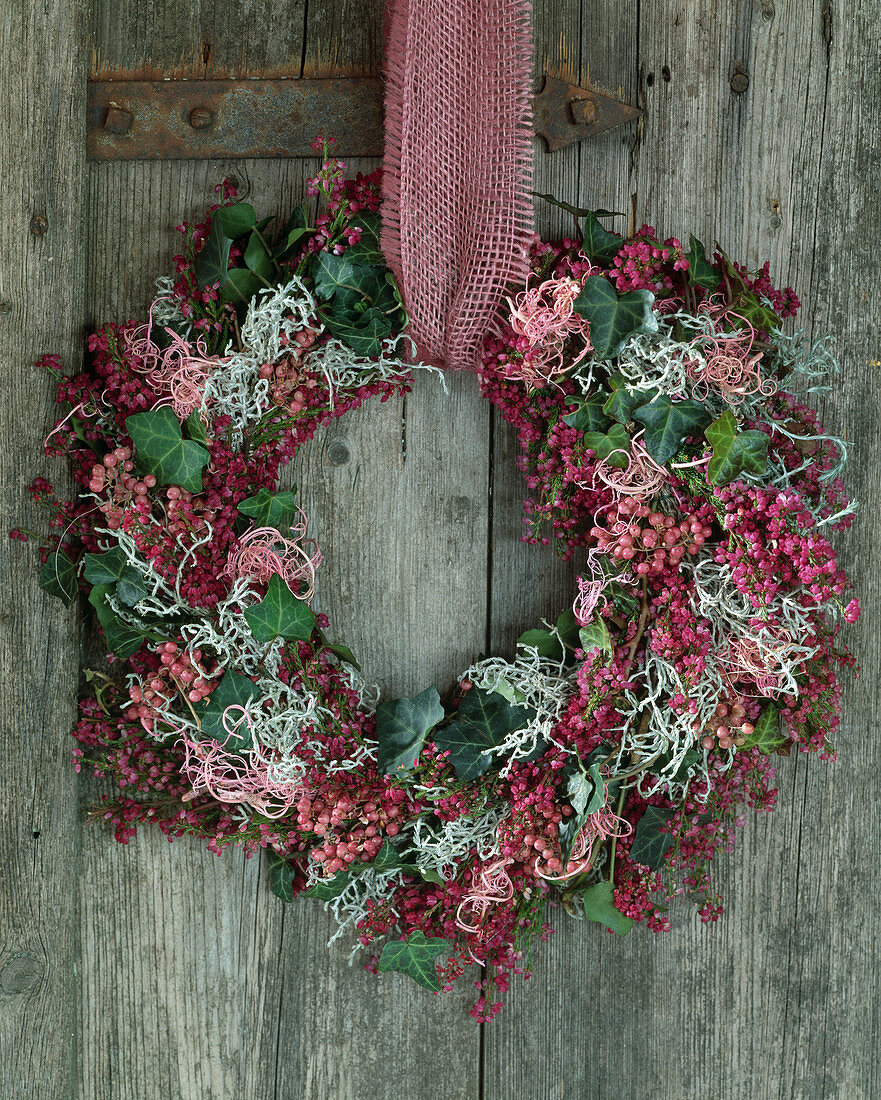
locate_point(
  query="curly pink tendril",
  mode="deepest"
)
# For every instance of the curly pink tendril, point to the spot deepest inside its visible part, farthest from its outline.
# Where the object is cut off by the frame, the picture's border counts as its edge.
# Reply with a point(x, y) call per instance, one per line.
point(263, 553)
point(179, 371)
point(601, 825)
point(490, 885)
point(590, 588)
point(642, 477)
point(546, 317)
point(730, 367)
point(230, 777)
point(761, 664)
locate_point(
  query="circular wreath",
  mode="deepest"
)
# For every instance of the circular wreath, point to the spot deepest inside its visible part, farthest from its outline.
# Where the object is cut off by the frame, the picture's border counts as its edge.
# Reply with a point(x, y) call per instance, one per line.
point(603, 765)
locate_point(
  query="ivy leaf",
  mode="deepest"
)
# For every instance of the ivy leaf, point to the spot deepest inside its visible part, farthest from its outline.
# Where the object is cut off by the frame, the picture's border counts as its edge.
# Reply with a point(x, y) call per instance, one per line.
point(330, 889)
point(586, 791)
point(194, 428)
point(235, 220)
point(161, 450)
point(257, 258)
point(700, 271)
point(334, 273)
point(589, 415)
point(567, 627)
point(282, 873)
point(768, 736)
point(650, 845)
point(416, 956)
point(212, 263)
point(367, 250)
point(130, 587)
point(668, 423)
point(280, 614)
point(623, 601)
point(233, 690)
point(241, 286)
point(755, 312)
point(121, 639)
point(58, 577)
point(613, 446)
point(344, 654)
point(364, 337)
point(624, 401)
point(614, 317)
point(576, 211)
point(268, 509)
point(545, 643)
point(484, 720)
point(596, 636)
point(401, 728)
point(598, 243)
point(599, 906)
point(735, 452)
point(104, 568)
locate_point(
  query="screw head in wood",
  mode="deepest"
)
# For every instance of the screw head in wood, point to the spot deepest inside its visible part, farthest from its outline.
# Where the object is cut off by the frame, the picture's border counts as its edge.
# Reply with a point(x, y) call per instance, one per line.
point(201, 118)
point(739, 82)
point(39, 225)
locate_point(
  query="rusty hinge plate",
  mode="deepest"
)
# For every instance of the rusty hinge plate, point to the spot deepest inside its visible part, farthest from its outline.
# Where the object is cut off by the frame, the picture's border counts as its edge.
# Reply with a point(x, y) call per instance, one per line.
point(564, 113)
point(203, 119)
point(200, 119)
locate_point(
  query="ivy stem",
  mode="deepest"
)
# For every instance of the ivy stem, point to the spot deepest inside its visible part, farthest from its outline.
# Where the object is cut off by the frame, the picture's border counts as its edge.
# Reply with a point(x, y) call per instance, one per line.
point(640, 630)
point(620, 807)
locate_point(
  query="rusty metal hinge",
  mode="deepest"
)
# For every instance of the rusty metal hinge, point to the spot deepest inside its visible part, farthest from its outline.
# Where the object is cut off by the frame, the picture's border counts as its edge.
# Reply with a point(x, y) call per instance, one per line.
point(203, 119)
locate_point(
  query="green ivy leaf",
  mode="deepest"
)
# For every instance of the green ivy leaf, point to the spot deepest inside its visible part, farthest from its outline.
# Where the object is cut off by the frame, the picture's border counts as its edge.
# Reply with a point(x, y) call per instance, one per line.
point(483, 721)
point(268, 509)
point(416, 956)
point(700, 271)
point(241, 286)
point(235, 220)
point(367, 250)
point(624, 602)
point(768, 735)
point(568, 627)
point(650, 845)
point(598, 243)
point(760, 316)
point(344, 654)
point(329, 889)
point(401, 728)
point(614, 317)
point(257, 258)
point(669, 423)
point(161, 450)
point(613, 446)
point(282, 873)
point(333, 274)
point(104, 568)
point(589, 415)
point(576, 211)
point(735, 452)
point(212, 263)
point(194, 428)
point(280, 614)
point(365, 336)
point(596, 636)
point(586, 792)
point(599, 906)
point(58, 577)
point(233, 690)
point(545, 643)
point(121, 639)
point(130, 587)
point(624, 401)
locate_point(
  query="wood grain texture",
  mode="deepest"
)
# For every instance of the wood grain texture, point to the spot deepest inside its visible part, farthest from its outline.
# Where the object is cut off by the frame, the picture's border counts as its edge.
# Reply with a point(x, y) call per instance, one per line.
point(773, 1001)
point(42, 267)
point(192, 980)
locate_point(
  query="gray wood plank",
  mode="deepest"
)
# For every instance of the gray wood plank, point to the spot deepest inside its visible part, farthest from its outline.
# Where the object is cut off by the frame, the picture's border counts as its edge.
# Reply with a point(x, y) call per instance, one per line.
point(773, 1000)
point(42, 86)
point(202, 984)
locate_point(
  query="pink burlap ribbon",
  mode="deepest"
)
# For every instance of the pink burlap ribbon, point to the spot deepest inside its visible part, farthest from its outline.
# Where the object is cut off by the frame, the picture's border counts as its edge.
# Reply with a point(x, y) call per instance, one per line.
point(457, 216)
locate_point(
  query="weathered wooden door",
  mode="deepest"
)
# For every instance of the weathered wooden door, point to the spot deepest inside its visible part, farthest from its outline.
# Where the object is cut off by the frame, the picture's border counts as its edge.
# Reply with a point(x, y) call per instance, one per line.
point(163, 972)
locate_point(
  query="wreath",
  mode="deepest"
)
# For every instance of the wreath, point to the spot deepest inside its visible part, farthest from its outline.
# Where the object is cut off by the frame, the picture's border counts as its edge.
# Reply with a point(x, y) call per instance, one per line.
point(665, 446)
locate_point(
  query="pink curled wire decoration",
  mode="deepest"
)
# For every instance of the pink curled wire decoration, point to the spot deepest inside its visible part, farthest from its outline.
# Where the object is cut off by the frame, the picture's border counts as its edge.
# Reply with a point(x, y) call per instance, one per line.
point(730, 367)
point(233, 778)
point(590, 588)
point(598, 826)
point(760, 664)
point(545, 315)
point(263, 553)
point(641, 477)
point(490, 885)
point(179, 372)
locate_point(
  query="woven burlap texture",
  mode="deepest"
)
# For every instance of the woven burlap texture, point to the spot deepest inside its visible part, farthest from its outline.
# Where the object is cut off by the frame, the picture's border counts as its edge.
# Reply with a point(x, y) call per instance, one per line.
point(457, 211)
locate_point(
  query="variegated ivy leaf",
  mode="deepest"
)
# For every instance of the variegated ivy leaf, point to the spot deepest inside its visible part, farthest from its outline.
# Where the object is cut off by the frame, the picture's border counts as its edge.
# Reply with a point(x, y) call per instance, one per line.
point(416, 957)
point(768, 736)
point(734, 452)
